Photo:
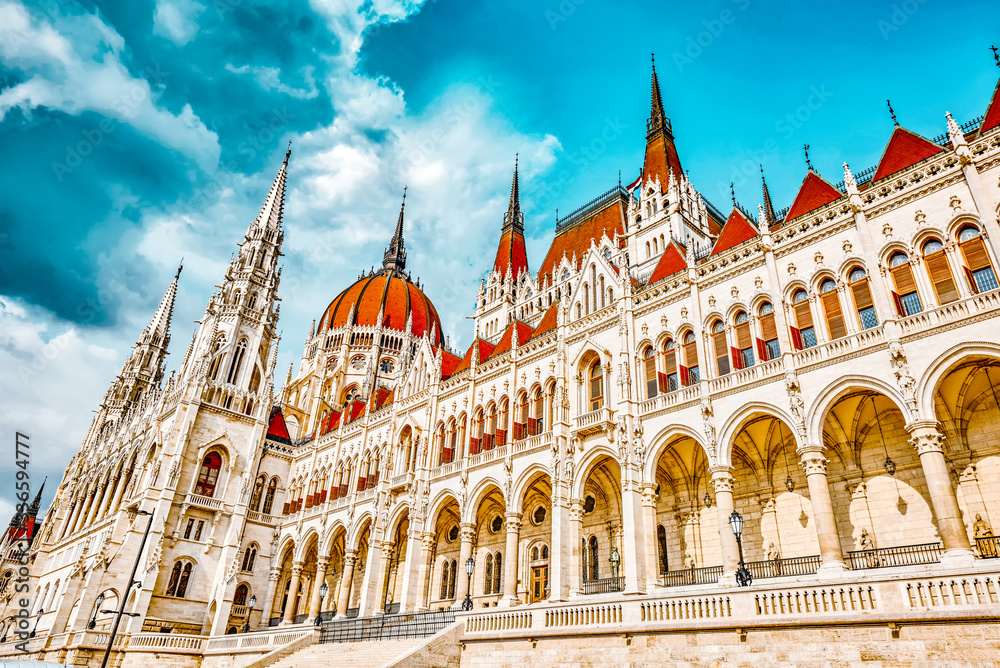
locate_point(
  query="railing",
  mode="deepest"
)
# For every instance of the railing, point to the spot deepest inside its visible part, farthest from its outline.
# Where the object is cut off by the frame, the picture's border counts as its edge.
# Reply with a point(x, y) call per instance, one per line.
point(949, 313)
point(989, 547)
point(678, 396)
point(887, 557)
point(751, 374)
point(444, 469)
point(240, 610)
point(203, 501)
point(776, 568)
point(255, 516)
point(691, 576)
point(594, 420)
point(366, 494)
point(531, 442)
point(399, 480)
point(487, 456)
point(837, 347)
point(168, 641)
point(604, 585)
point(386, 627)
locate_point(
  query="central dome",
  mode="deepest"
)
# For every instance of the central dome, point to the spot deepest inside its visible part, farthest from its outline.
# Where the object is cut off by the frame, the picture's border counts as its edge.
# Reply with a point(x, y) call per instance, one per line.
point(389, 292)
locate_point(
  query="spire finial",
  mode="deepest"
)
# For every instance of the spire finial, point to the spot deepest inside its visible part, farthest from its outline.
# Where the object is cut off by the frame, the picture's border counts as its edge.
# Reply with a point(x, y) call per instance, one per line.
point(805, 147)
point(892, 113)
point(768, 207)
point(395, 254)
point(996, 55)
point(514, 217)
point(179, 267)
point(732, 192)
point(288, 153)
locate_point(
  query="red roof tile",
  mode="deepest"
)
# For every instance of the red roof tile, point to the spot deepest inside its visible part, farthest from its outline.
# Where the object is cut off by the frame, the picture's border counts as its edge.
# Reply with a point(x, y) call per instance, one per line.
point(992, 117)
point(670, 262)
point(485, 348)
point(449, 363)
point(506, 341)
point(276, 427)
point(661, 157)
point(511, 253)
point(576, 239)
point(904, 149)
point(814, 192)
point(394, 295)
point(737, 230)
point(548, 321)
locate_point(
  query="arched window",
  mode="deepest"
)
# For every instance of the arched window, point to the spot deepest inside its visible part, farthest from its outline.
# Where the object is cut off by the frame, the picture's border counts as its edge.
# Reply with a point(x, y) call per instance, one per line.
point(490, 430)
point(258, 492)
point(213, 371)
point(743, 351)
point(476, 438)
point(501, 426)
point(831, 306)
point(661, 542)
point(978, 268)
point(768, 347)
point(668, 378)
point(445, 579)
point(269, 497)
point(690, 372)
point(488, 580)
point(497, 572)
point(596, 386)
point(803, 334)
point(451, 579)
point(905, 296)
point(208, 476)
point(521, 417)
point(241, 594)
point(721, 347)
point(252, 302)
point(862, 294)
point(5, 580)
point(649, 365)
point(180, 576)
point(940, 271)
point(234, 367)
point(249, 557)
point(594, 559)
point(536, 423)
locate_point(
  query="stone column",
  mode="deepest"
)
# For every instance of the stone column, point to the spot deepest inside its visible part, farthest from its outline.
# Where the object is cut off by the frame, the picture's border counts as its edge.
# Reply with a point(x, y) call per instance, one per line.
point(510, 563)
point(346, 579)
point(119, 490)
point(649, 534)
point(575, 534)
point(314, 602)
point(411, 593)
point(370, 590)
point(926, 437)
point(831, 555)
point(78, 522)
point(632, 553)
point(293, 591)
point(95, 505)
point(383, 577)
point(272, 593)
point(722, 480)
point(468, 534)
point(427, 540)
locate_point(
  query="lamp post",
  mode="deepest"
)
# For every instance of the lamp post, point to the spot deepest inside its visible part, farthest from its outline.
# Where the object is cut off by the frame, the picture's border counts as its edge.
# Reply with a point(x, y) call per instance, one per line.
point(470, 565)
point(252, 602)
point(38, 618)
point(97, 608)
point(131, 583)
point(743, 577)
point(323, 589)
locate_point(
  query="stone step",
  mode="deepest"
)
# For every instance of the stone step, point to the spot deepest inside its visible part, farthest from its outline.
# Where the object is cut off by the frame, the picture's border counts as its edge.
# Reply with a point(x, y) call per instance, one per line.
point(370, 654)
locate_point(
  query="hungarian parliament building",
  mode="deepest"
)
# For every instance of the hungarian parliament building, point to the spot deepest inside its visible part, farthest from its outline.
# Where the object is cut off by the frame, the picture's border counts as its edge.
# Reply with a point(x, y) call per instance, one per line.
point(681, 418)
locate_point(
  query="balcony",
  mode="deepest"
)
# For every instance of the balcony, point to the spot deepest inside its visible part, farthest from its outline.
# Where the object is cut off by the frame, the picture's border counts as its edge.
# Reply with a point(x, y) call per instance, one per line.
point(601, 420)
point(604, 585)
point(203, 501)
point(262, 518)
point(691, 576)
point(887, 557)
point(401, 482)
point(988, 547)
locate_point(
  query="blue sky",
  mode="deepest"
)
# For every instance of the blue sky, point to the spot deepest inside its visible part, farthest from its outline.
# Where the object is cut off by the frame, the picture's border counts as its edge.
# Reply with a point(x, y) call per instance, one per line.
point(136, 133)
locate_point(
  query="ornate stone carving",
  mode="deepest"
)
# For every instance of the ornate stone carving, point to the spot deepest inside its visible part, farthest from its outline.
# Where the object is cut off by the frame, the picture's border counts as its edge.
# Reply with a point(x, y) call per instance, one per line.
point(795, 404)
point(904, 379)
point(709, 425)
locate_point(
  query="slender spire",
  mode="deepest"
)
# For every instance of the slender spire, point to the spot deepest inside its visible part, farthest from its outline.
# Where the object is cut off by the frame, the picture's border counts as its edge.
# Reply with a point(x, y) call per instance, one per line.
point(732, 192)
point(809, 165)
point(160, 324)
point(657, 117)
point(892, 113)
point(768, 207)
point(514, 218)
point(271, 211)
point(395, 255)
point(996, 55)
point(511, 256)
point(661, 159)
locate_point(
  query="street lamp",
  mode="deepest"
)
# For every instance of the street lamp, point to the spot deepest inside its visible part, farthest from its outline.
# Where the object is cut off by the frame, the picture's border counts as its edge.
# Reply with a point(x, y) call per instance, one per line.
point(38, 617)
point(97, 608)
point(470, 565)
point(743, 577)
point(252, 602)
point(322, 597)
point(132, 582)
point(708, 500)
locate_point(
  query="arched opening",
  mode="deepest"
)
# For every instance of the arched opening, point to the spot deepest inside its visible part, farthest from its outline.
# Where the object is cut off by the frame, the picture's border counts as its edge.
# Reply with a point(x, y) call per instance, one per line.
point(208, 475)
point(602, 531)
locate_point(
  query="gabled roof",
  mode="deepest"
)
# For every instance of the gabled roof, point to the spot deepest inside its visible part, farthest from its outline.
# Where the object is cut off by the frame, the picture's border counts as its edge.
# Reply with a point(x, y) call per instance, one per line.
point(548, 321)
point(380, 397)
point(449, 363)
point(992, 117)
point(511, 253)
point(332, 422)
point(276, 428)
point(575, 239)
point(670, 262)
point(485, 348)
point(814, 192)
point(506, 341)
point(904, 149)
point(737, 230)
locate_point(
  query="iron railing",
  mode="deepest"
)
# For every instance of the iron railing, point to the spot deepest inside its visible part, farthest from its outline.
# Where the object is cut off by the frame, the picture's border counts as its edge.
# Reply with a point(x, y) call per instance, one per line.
point(386, 627)
point(691, 576)
point(594, 205)
point(776, 568)
point(989, 547)
point(904, 555)
point(604, 585)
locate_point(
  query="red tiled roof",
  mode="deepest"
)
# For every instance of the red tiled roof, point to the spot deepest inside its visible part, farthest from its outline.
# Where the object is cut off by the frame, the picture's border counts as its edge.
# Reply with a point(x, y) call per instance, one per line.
point(904, 149)
point(276, 426)
point(737, 230)
point(380, 397)
point(485, 348)
point(506, 341)
point(548, 321)
point(670, 262)
point(395, 295)
point(577, 238)
point(992, 117)
point(661, 157)
point(814, 192)
point(449, 363)
point(511, 252)
point(332, 421)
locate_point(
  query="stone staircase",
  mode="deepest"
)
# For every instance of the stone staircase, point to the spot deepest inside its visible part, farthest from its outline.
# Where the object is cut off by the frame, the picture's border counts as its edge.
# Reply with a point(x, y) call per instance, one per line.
point(370, 654)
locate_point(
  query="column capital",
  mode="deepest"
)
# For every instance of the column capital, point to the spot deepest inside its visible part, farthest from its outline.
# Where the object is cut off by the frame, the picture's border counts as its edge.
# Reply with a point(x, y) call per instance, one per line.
point(513, 523)
point(297, 569)
point(322, 563)
point(926, 436)
point(468, 532)
point(812, 459)
point(427, 540)
point(576, 510)
point(649, 495)
point(722, 478)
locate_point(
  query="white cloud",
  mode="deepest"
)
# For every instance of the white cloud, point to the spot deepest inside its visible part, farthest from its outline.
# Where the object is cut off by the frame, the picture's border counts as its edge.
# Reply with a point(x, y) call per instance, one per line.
point(74, 65)
point(269, 78)
point(348, 20)
point(177, 19)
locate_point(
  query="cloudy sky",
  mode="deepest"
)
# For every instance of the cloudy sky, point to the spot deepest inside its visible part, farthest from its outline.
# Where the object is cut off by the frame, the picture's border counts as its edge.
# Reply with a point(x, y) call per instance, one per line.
point(134, 133)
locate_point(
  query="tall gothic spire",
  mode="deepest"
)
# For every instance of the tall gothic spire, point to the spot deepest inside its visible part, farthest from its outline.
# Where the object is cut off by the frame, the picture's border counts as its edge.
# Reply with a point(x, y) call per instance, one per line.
point(511, 253)
point(768, 207)
point(270, 213)
point(657, 117)
point(661, 159)
point(395, 255)
point(514, 218)
point(160, 324)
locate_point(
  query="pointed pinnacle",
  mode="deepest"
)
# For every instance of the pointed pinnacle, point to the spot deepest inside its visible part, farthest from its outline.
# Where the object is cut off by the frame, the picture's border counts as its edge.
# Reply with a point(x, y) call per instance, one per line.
point(892, 113)
point(768, 207)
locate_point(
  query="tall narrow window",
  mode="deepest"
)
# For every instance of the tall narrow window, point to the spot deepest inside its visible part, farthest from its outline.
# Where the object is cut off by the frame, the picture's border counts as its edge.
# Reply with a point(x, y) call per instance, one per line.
point(690, 372)
point(248, 558)
point(905, 296)
point(269, 497)
point(213, 370)
point(476, 439)
point(661, 542)
point(803, 334)
point(234, 367)
point(240, 595)
point(445, 578)
point(521, 417)
point(831, 306)
point(502, 418)
point(594, 559)
point(488, 580)
point(721, 347)
point(743, 353)
point(258, 492)
point(208, 476)
point(668, 378)
point(862, 294)
point(497, 572)
point(596, 386)
point(537, 421)
point(649, 363)
point(978, 268)
point(180, 576)
point(940, 271)
point(451, 579)
point(491, 428)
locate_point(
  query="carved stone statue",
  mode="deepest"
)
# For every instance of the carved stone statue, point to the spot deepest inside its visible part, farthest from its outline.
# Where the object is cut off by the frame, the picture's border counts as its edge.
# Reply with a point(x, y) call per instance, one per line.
point(980, 528)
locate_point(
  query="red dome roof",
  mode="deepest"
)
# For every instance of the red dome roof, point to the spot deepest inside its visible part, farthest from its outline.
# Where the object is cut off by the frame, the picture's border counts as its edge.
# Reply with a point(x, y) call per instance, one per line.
point(391, 293)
